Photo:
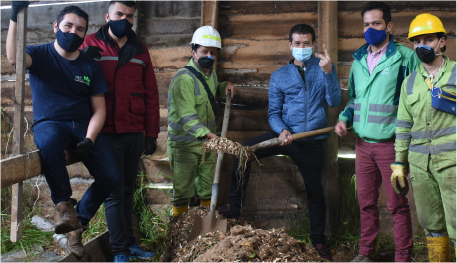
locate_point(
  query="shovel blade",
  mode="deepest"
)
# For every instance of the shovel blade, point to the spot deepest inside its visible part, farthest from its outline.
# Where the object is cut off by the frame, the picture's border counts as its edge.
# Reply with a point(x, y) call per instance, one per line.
point(206, 224)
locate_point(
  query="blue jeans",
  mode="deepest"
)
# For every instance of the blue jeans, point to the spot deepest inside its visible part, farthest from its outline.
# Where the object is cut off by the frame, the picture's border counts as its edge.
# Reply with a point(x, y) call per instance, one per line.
point(51, 138)
point(127, 149)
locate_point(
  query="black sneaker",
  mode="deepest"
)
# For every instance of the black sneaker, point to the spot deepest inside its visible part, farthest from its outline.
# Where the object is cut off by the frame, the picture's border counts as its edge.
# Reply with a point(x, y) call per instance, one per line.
point(323, 252)
point(227, 212)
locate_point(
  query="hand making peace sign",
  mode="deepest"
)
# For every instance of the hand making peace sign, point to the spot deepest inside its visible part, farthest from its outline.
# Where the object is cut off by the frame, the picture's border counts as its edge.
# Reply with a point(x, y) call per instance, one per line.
point(326, 61)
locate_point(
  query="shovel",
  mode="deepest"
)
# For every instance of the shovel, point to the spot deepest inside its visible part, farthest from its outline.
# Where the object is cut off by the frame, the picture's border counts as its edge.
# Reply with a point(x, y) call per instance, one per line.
point(210, 223)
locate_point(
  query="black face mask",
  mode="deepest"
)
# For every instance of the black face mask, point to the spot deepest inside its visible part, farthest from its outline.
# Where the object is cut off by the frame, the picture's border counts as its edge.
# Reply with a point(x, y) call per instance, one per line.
point(70, 42)
point(205, 62)
point(120, 28)
point(426, 54)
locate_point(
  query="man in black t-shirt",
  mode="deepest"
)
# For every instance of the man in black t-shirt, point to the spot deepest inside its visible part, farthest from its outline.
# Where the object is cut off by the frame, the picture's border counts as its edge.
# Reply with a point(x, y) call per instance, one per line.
point(69, 110)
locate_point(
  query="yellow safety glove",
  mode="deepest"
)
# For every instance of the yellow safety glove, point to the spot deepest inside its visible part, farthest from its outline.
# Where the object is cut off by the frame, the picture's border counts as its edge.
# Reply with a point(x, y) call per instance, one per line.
point(398, 178)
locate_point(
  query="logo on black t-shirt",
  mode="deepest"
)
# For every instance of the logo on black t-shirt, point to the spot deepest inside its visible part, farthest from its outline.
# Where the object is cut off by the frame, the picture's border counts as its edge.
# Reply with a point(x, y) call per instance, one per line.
point(84, 80)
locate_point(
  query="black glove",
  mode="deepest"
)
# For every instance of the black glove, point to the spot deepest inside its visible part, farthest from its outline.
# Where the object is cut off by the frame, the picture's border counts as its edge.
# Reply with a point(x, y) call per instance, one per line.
point(16, 6)
point(93, 51)
point(150, 145)
point(83, 148)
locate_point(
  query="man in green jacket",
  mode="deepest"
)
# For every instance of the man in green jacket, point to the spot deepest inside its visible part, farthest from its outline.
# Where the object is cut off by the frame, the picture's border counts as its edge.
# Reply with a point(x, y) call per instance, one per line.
point(377, 72)
point(191, 120)
point(426, 136)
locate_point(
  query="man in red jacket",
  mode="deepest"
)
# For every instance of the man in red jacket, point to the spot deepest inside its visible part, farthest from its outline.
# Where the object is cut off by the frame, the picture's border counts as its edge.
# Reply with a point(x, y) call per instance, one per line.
point(132, 108)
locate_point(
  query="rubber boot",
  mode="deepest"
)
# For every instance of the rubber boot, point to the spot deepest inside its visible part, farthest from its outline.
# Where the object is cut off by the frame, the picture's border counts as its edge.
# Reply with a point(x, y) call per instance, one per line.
point(75, 243)
point(68, 220)
point(177, 211)
point(206, 202)
point(438, 249)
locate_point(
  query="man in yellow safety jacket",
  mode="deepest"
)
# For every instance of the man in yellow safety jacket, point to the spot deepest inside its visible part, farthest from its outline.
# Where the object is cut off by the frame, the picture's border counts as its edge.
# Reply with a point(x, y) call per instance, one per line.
point(425, 136)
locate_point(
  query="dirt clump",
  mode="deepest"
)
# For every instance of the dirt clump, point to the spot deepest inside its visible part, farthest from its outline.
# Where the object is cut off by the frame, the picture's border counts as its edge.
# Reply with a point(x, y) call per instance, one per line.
point(242, 243)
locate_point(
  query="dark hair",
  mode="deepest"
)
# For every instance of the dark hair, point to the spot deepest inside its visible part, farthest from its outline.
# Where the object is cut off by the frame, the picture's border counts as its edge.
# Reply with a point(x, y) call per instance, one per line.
point(385, 8)
point(73, 10)
point(302, 29)
point(195, 47)
point(127, 3)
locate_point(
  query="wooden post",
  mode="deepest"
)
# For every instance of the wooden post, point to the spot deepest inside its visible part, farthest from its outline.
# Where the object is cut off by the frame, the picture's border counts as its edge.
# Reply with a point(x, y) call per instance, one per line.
point(328, 35)
point(18, 135)
point(209, 17)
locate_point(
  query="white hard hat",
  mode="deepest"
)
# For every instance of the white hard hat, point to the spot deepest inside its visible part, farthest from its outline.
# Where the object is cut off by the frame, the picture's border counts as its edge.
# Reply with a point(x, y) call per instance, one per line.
point(207, 36)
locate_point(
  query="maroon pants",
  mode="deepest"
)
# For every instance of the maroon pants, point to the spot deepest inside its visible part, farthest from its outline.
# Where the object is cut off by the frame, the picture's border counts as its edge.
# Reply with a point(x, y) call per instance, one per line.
point(372, 167)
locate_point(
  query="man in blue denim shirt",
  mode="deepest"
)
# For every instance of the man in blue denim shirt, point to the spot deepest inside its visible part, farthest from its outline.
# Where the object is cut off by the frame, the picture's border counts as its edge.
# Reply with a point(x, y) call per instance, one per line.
point(299, 95)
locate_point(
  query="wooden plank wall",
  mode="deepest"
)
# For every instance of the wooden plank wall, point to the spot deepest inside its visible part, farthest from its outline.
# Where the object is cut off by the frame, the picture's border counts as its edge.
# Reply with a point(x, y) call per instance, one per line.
point(40, 31)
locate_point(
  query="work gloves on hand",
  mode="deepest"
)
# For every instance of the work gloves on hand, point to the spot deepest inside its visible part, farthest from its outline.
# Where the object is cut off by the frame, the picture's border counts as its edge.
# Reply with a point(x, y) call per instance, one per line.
point(16, 6)
point(93, 51)
point(150, 145)
point(398, 178)
point(83, 148)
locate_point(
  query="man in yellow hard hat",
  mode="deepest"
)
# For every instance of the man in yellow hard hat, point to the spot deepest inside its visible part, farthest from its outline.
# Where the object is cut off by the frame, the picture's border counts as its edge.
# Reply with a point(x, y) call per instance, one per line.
point(425, 136)
point(191, 120)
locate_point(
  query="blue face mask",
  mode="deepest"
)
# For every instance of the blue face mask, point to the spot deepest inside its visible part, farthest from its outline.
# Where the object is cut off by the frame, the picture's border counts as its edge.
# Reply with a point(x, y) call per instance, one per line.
point(302, 54)
point(375, 37)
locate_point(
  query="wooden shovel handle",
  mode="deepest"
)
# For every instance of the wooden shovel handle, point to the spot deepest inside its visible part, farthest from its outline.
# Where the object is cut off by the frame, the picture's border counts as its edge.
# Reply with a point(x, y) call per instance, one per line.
point(278, 141)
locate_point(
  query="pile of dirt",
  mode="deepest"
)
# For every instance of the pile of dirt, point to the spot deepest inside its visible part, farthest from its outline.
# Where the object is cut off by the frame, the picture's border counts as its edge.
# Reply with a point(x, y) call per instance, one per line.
point(242, 243)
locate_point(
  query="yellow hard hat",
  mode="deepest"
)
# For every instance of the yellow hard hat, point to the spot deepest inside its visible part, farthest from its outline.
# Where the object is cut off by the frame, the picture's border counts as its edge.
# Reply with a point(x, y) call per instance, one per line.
point(425, 24)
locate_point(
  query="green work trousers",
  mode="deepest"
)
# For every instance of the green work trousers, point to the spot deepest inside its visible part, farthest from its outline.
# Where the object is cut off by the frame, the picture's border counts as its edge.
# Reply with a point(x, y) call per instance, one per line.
point(434, 194)
point(190, 174)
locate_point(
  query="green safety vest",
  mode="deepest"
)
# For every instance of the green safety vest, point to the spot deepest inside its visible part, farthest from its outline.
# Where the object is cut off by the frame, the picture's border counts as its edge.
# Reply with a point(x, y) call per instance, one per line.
point(190, 116)
point(423, 132)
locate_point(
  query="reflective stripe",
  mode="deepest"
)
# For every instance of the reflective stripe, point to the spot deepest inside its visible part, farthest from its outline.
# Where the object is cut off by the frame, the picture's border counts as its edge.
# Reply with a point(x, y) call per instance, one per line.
point(356, 118)
point(403, 136)
point(215, 80)
point(212, 37)
point(358, 106)
point(194, 128)
point(350, 104)
point(445, 147)
point(451, 81)
point(186, 71)
point(382, 119)
point(420, 135)
point(175, 126)
point(404, 124)
point(133, 60)
point(424, 149)
point(188, 118)
point(435, 149)
point(433, 133)
point(383, 108)
point(444, 131)
point(185, 138)
point(410, 83)
point(421, 28)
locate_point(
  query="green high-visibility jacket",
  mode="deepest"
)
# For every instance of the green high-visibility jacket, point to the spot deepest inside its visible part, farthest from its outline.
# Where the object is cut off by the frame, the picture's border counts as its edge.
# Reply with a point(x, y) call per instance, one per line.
point(373, 99)
point(423, 131)
point(190, 116)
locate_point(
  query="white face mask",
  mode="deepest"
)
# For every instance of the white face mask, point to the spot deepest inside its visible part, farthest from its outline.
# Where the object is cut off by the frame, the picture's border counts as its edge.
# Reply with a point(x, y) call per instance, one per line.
point(302, 54)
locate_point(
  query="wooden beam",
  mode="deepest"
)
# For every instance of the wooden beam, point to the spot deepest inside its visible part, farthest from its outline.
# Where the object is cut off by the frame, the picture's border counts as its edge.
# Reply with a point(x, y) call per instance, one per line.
point(21, 167)
point(328, 35)
point(18, 138)
point(209, 17)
